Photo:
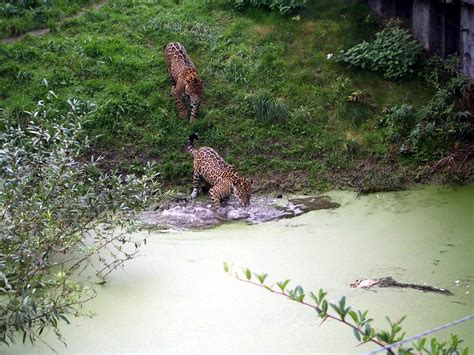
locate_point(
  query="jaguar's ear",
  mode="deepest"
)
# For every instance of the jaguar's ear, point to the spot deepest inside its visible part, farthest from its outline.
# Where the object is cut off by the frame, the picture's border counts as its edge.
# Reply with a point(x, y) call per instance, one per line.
point(250, 181)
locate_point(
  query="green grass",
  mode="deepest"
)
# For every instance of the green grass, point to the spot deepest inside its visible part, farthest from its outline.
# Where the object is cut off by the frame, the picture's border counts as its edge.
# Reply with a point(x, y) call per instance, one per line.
point(20, 16)
point(113, 57)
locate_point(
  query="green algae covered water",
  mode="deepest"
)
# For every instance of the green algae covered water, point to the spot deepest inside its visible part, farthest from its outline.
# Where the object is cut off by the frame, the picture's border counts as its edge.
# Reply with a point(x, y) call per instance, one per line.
point(177, 298)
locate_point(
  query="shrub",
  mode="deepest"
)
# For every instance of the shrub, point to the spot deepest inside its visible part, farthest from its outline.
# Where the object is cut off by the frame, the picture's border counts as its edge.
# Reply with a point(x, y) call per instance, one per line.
point(438, 124)
point(60, 213)
point(430, 131)
point(398, 119)
point(284, 7)
point(394, 53)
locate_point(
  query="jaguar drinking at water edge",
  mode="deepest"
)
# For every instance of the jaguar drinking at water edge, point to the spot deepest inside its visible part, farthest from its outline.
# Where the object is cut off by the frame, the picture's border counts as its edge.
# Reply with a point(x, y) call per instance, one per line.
point(184, 78)
point(222, 176)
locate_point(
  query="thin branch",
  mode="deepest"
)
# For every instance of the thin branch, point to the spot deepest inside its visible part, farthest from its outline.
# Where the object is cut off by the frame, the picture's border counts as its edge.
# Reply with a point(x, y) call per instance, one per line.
point(340, 320)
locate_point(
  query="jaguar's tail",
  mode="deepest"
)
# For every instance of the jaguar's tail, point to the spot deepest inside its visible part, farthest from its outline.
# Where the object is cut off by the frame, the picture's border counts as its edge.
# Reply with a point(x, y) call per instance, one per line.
point(192, 137)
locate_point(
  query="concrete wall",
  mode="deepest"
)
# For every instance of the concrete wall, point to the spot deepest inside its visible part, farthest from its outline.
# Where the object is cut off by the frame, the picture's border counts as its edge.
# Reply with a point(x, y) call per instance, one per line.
point(466, 40)
point(443, 27)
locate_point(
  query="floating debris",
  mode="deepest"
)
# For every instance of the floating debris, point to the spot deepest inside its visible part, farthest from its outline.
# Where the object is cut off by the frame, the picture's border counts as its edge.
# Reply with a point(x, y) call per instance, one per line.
point(390, 282)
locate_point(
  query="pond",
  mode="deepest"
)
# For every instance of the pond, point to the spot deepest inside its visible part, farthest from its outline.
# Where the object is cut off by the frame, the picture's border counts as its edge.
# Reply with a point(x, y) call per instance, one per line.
point(177, 298)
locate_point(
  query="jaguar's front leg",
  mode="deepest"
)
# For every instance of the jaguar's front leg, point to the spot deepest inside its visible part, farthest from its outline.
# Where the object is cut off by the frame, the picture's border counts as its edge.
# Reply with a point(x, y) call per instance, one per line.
point(195, 185)
point(194, 109)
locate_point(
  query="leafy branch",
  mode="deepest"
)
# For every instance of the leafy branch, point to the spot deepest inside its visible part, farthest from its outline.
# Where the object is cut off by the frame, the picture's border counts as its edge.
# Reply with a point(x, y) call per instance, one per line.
point(59, 215)
point(361, 325)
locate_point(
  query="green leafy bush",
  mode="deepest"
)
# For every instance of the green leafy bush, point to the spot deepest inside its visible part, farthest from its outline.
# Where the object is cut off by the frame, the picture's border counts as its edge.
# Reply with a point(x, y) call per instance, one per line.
point(394, 53)
point(398, 120)
point(59, 213)
point(284, 7)
point(438, 124)
point(430, 131)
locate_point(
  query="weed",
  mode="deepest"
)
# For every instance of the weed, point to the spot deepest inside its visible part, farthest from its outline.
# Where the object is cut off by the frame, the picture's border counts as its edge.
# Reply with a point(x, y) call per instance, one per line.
point(394, 53)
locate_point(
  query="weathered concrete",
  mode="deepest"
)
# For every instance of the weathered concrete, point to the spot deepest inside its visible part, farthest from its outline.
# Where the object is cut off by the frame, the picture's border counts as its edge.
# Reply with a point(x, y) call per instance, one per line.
point(466, 41)
point(386, 8)
point(421, 21)
point(389, 8)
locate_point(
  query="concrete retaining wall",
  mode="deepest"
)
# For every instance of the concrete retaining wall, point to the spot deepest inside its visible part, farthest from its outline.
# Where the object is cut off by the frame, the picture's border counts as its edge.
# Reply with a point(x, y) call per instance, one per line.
point(443, 27)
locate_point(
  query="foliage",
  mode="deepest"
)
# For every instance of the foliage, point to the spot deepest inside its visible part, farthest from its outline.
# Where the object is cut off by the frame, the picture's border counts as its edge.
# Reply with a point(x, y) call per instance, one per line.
point(59, 214)
point(437, 71)
point(113, 57)
point(359, 321)
point(394, 53)
point(428, 131)
point(284, 7)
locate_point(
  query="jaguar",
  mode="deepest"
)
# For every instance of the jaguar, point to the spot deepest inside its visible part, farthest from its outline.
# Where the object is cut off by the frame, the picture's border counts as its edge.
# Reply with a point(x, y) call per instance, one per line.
point(222, 177)
point(184, 79)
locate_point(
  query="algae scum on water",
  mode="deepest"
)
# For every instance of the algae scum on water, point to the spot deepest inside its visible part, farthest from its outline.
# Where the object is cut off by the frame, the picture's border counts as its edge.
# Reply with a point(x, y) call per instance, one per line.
point(177, 298)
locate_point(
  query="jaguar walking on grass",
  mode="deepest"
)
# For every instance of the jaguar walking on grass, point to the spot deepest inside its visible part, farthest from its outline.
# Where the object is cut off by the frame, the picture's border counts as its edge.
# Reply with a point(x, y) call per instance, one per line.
point(184, 79)
point(222, 176)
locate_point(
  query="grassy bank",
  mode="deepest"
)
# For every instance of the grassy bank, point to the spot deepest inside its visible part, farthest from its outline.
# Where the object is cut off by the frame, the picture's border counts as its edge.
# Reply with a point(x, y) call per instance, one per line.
point(274, 105)
point(20, 16)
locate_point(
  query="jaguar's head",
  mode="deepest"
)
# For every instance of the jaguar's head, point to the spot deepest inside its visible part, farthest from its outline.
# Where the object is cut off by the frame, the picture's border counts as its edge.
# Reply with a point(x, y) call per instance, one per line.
point(243, 190)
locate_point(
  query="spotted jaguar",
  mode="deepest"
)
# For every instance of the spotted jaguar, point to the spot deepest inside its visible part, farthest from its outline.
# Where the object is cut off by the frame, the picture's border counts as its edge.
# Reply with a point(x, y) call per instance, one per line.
point(222, 176)
point(184, 79)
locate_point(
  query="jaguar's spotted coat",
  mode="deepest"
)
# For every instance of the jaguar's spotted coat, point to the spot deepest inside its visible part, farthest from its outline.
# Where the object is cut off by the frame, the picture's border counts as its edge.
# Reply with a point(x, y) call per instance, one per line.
point(222, 176)
point(184, 78)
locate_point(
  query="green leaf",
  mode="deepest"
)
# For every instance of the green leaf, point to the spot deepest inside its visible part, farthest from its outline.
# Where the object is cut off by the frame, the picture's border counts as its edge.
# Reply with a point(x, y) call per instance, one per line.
point(315, 298)
point(324, 307)
point(354, 317)
point(356, 334)
point(248, 274)
point(261, 277)
point(64, 318)
point(337, 309)
point(321, 294)
point(282, 285)
point(420, 344)
point(226, 267)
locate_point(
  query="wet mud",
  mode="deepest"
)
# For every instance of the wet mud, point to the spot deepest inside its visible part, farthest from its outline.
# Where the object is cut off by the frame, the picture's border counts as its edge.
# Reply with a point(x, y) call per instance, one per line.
point(185, 213)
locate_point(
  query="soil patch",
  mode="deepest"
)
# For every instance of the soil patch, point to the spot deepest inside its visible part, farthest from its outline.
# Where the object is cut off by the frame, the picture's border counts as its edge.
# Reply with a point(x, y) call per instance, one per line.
point(185, 213)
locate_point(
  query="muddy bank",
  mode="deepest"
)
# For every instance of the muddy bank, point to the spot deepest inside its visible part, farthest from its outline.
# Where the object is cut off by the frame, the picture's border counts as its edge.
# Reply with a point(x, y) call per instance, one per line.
point(185, 213)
